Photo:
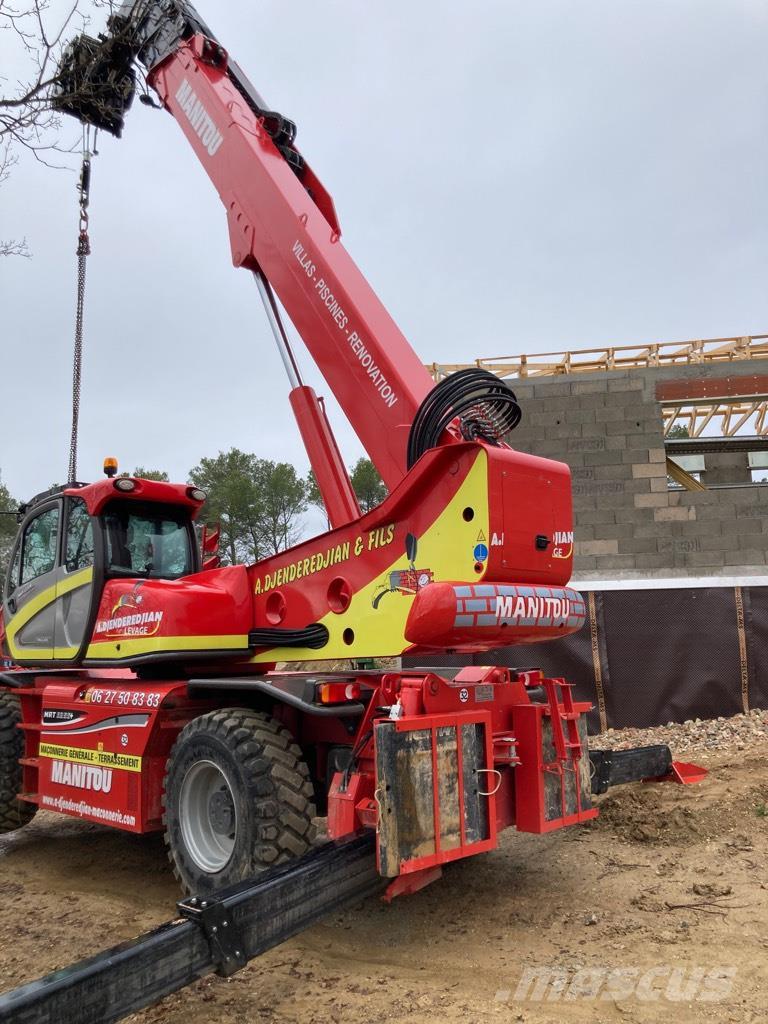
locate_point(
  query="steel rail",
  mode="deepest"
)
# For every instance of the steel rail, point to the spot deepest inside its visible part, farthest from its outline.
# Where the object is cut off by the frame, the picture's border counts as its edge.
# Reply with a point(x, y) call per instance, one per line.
point(216, 933)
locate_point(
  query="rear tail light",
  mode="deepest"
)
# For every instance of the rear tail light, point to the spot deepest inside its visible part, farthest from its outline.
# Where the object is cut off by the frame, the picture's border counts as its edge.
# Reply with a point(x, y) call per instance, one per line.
point(337, 693)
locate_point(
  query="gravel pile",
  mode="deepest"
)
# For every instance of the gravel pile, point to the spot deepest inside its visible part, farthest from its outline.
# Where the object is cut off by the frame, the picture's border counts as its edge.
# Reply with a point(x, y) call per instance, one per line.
point(738, 733)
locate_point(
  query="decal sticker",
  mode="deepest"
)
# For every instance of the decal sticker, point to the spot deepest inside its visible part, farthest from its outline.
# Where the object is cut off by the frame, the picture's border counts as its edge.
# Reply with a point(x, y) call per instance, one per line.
point(381, 537)
point(132, 599)
point(81, 755)
point(405, 581)
point(124, 698)
point(496, 604)
point(127, 618)
point(81, 776)
point(117, 722)
point(513, 610)
point(303, 567)
point(83, 810)
point(201, 121)
point(56, 717)
point(340, 317)
point(463, 695)
point(563, 542)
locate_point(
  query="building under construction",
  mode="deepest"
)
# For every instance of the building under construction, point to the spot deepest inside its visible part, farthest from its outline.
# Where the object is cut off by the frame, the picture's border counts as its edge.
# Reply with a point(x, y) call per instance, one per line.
point(667, 445)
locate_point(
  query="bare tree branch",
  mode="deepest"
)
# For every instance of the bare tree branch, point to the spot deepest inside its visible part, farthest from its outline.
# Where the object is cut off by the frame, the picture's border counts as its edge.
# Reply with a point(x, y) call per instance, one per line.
point(10, 247)
point(28, 122)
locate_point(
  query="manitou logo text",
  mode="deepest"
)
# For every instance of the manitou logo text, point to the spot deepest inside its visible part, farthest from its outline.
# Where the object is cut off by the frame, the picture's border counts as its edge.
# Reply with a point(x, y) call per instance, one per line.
point(82, 776)
point(513, 610)
point(199, 118)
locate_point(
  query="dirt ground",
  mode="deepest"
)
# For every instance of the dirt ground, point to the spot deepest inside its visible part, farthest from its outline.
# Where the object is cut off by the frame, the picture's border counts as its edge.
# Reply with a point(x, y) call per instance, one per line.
point(669, 884)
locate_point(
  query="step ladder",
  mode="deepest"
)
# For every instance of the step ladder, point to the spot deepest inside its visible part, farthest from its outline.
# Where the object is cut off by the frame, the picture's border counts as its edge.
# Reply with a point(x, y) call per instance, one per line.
point(567, 743)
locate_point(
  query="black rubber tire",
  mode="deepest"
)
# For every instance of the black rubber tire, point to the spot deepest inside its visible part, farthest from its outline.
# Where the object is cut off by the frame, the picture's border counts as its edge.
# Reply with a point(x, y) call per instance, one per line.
point(270, 785)
point(13, 812)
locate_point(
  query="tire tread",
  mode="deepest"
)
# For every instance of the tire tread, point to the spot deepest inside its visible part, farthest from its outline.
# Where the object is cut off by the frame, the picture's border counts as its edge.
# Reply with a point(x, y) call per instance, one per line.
point(276, 777)
point(14, 813)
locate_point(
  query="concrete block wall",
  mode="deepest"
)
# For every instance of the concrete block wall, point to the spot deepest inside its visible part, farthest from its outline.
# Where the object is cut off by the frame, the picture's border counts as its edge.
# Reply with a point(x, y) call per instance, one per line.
point(608, 428)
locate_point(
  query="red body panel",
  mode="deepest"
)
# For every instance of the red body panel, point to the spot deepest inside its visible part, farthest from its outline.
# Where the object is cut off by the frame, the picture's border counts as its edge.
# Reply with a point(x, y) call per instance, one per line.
point(213, 603)
point(97, 747)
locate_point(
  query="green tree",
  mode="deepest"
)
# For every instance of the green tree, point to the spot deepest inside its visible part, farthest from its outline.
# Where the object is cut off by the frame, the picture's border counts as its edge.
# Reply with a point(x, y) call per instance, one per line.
point(282, 500)
point(314, 497)
point(367, 484)
point(151, 474)
point(229, 480)
point(677, 432)
point(257, 503)
point(8, 527)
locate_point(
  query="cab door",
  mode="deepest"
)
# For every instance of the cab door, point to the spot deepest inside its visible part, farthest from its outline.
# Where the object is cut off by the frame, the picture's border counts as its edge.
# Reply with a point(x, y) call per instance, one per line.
point(30, 589)
point(74, 582)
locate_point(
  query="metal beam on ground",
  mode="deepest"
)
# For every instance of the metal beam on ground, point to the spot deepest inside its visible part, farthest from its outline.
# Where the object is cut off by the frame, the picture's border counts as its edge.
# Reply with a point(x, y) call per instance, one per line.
point(217, 933)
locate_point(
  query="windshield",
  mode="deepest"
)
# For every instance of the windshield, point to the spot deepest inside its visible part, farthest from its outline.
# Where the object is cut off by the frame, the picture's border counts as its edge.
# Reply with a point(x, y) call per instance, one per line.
point(147, 540)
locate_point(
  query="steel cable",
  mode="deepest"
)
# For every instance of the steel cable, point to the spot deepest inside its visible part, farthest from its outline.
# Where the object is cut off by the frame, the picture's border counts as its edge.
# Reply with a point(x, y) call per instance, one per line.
point(83, 252)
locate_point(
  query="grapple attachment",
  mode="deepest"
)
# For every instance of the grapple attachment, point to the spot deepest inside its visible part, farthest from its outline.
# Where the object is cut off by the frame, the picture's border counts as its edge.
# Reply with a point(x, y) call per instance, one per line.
point(96, 81)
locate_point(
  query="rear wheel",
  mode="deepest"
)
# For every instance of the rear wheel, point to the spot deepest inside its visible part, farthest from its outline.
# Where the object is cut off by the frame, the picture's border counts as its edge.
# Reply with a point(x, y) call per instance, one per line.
point(13, 812)
point(238, 799)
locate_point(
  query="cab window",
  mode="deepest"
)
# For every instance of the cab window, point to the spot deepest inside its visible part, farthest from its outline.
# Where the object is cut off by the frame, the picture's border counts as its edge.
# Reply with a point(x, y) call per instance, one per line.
point(78, 551)
point(13, 576)
point(38, 549)
point(147, 540)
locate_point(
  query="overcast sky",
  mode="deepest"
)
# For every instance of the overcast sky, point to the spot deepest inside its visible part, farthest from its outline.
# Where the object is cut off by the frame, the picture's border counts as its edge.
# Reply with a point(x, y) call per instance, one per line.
point(510, 176)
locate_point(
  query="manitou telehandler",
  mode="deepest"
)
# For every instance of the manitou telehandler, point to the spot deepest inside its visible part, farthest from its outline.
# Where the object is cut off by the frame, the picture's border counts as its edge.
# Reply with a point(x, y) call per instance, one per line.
point(144, 693)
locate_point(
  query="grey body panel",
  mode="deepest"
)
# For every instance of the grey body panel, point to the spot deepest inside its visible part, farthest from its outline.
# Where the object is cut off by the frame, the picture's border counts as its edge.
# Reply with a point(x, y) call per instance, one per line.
point(38, 633)
point(58, 628)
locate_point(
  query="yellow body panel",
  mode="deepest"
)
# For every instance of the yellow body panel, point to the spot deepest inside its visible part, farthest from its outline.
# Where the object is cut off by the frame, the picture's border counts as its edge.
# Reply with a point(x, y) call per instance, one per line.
point(446, 548)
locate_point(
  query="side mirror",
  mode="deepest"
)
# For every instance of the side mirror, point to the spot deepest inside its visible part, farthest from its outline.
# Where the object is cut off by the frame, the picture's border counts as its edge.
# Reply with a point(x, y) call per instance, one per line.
point(210, 546)
point(411, 545)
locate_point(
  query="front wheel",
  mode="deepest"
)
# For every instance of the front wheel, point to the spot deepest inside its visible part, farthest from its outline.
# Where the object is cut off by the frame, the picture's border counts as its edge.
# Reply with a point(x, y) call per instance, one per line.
point(13, 812)
point(238, 799)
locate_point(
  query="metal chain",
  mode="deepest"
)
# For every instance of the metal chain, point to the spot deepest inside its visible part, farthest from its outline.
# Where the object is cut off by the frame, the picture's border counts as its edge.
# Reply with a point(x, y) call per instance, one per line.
point(83, 251)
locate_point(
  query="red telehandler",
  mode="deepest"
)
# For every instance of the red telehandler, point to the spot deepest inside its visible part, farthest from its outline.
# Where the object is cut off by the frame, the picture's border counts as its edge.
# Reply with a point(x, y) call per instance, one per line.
point(144, 693)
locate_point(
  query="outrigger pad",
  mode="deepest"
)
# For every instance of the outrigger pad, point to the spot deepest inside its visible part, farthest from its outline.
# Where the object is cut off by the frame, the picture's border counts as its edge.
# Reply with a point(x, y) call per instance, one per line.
point(432, 805)
point(96, 82)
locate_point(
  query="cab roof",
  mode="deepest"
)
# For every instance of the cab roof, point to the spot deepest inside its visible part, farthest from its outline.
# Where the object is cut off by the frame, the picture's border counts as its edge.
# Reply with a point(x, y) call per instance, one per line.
point(98, 494)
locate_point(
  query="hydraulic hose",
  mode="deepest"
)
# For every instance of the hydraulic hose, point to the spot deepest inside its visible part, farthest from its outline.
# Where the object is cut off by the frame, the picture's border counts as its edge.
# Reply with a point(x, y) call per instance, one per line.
point(484, 405)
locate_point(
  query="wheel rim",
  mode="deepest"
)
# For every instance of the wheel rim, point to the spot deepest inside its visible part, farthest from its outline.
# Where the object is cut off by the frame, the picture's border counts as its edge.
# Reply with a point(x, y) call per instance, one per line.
point(208, 816)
